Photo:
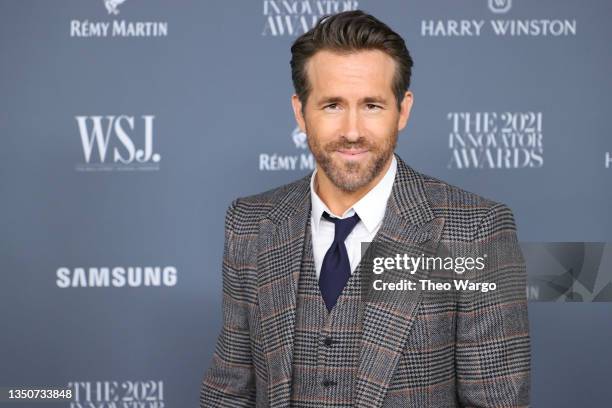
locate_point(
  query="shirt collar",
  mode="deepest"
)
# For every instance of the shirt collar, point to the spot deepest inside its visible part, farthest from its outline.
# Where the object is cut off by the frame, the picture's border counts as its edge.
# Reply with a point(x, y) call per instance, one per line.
point(370, 208)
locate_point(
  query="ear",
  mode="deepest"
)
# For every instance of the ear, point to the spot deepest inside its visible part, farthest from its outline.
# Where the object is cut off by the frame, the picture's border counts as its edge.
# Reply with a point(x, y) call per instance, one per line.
point(297, 112)
point(405, 108)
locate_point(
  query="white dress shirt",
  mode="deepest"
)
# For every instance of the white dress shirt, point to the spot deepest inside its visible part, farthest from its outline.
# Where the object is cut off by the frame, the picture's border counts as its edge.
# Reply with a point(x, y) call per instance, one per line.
point(370, 209)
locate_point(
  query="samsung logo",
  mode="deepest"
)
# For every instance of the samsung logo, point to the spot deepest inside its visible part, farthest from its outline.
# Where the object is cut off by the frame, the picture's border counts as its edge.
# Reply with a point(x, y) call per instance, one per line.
point(116, 277)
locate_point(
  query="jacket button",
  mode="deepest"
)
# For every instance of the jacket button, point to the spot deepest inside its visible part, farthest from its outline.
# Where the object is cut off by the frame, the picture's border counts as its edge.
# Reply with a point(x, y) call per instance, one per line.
point(329, 341)
point(328, 383)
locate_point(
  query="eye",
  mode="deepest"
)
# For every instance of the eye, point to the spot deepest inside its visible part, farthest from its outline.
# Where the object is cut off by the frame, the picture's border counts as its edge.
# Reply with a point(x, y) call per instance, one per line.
point(331, 106)
point(373, 107)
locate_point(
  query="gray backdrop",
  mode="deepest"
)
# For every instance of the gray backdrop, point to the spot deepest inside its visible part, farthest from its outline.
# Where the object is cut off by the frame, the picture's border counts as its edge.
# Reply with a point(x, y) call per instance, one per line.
point(128, 128)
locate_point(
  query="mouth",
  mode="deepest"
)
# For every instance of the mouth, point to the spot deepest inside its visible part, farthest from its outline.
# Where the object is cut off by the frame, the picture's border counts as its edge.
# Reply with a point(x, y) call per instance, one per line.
point(352, 154)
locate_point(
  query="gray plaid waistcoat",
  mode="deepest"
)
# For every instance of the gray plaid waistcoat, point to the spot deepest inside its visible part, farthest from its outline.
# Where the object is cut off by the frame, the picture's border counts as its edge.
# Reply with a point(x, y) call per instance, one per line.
point(326, 345)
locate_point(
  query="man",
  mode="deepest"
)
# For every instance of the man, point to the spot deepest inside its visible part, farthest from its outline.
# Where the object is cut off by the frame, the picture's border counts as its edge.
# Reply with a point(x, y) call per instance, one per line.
point(298, 330)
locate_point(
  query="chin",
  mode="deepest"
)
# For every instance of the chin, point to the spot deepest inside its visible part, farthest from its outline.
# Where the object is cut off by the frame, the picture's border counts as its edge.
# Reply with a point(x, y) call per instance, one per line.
point(351, 182)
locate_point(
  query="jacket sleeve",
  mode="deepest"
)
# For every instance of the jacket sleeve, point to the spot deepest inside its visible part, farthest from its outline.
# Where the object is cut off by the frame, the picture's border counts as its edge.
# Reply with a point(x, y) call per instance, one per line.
point(230, 379)
point(492, 355)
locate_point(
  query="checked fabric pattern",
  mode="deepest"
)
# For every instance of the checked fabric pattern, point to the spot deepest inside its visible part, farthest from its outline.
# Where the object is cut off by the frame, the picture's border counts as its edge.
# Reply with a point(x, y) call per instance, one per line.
point(462, 350)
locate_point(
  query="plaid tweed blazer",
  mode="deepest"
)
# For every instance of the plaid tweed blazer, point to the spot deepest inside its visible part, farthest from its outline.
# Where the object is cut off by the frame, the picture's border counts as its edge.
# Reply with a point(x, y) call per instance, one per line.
point(416, 351)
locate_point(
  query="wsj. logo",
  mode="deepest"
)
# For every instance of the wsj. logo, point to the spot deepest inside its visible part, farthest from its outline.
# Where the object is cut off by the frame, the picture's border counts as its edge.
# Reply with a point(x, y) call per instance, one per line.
point(112, 6)
point(500, 6)
point(113, 139)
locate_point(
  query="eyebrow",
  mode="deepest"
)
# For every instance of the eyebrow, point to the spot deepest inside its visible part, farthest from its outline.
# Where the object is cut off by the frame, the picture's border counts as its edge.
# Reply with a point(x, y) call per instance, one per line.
point(337, 99)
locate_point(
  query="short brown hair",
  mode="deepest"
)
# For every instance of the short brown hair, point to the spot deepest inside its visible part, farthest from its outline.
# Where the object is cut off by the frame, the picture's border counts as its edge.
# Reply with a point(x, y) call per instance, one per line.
point(350, 31)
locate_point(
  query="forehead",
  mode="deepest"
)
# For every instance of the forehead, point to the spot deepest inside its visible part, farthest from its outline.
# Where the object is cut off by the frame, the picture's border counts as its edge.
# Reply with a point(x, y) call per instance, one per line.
point(360, 71)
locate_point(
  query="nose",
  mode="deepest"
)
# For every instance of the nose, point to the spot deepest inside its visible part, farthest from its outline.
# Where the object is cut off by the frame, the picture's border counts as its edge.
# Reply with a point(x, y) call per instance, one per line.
point(350, 127)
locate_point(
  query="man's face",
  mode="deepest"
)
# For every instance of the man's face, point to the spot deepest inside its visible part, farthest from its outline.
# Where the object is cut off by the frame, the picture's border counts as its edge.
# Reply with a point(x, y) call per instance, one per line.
point(351, 115)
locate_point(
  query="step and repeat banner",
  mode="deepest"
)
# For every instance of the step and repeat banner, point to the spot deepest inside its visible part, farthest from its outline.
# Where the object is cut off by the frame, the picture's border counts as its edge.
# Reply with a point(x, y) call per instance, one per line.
point(128, 126)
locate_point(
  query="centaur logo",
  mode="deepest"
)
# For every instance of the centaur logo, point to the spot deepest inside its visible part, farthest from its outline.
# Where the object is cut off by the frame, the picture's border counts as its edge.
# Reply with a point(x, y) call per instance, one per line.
point(500, 6)
point(301, 161)
point(111, 6)
point(116, 133)
point(299, 138)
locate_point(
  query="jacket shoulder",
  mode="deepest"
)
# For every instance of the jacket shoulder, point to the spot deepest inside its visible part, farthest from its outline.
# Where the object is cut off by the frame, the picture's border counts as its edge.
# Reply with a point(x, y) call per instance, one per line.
point(251, 209)
point(468, 215)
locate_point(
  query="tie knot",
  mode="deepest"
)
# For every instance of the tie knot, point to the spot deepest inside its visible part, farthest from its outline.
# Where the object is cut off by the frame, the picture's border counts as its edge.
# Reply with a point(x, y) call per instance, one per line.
point(343, 226)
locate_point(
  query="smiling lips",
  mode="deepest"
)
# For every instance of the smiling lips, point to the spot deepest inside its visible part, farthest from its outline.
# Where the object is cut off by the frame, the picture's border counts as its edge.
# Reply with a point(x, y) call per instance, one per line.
point(352, 153)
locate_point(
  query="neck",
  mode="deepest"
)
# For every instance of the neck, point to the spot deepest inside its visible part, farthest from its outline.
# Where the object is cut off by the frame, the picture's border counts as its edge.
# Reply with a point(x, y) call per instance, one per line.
point(338, 200)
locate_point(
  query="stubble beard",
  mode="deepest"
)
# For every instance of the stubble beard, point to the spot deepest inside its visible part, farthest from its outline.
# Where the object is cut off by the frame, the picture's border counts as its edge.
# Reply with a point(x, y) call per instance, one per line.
point(346, 175)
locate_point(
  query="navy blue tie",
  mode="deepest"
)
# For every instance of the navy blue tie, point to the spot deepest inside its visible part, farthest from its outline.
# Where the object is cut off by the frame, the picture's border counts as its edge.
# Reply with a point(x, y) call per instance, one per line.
point(336, 268)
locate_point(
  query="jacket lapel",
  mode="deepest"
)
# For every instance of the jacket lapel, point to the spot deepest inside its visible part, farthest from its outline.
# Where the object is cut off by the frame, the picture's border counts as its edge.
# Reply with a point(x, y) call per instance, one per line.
point(409, 227)
point(280, 248)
